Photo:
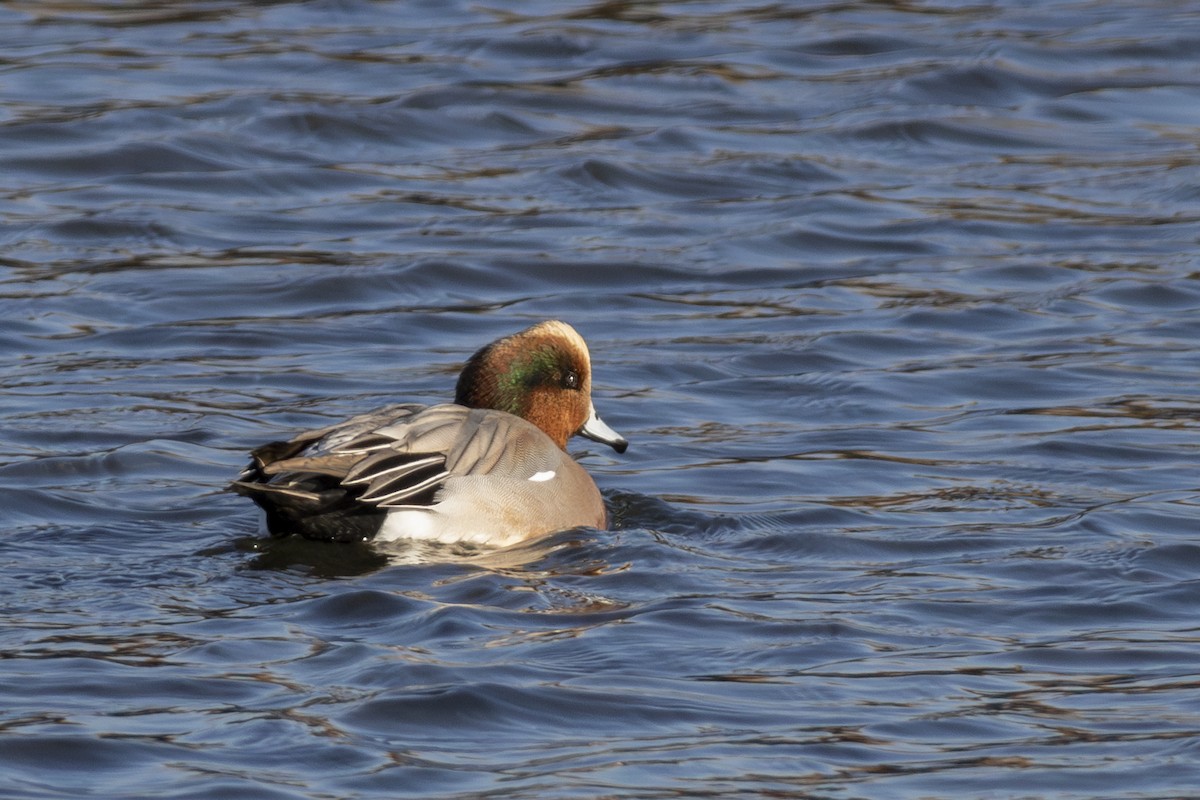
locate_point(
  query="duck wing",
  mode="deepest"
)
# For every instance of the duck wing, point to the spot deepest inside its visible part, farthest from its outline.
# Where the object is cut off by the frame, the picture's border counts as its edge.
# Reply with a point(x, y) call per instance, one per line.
point(299, 482)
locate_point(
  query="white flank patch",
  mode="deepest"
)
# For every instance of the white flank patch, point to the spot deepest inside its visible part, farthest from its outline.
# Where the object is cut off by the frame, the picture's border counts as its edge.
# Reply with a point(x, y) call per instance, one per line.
point(538, 477)
point(410, 523)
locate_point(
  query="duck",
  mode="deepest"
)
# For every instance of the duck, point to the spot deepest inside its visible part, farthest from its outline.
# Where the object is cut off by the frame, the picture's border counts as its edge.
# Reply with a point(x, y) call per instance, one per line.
point(489, 469)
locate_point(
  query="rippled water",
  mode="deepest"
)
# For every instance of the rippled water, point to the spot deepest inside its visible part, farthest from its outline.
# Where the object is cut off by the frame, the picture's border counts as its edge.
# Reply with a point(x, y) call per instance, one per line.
point(897, 303)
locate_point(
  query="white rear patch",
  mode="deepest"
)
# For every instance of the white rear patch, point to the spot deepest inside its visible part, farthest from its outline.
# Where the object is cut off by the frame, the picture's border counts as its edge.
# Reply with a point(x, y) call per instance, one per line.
point(538, 477)
point(409, 523)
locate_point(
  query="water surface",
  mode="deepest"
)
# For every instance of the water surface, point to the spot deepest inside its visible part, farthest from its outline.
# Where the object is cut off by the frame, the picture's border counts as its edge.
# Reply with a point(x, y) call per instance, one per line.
point(897, 304)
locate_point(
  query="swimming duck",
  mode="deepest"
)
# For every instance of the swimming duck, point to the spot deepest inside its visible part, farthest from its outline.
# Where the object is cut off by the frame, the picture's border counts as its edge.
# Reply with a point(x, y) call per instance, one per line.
point(490, 469)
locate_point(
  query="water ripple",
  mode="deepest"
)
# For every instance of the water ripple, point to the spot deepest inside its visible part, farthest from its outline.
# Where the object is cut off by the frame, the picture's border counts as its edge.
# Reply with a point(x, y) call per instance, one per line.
point(895, 302)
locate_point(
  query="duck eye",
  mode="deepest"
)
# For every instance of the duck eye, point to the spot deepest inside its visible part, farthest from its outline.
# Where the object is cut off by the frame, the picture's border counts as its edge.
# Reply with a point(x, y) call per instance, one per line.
point(570, 380)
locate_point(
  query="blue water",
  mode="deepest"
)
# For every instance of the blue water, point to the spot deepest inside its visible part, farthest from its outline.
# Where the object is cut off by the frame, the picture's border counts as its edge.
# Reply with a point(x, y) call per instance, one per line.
point(897, 303)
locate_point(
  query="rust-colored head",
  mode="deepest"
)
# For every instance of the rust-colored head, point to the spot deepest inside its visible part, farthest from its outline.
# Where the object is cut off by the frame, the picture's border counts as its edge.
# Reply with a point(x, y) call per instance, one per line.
point(543, 374)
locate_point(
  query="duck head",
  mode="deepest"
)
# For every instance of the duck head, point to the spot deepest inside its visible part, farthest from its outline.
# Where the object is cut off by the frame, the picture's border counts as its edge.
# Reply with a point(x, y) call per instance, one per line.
point(542, 374)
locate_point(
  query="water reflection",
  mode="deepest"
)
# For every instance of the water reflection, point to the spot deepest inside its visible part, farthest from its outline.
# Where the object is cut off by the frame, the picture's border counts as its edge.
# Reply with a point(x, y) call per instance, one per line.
point(296, 553)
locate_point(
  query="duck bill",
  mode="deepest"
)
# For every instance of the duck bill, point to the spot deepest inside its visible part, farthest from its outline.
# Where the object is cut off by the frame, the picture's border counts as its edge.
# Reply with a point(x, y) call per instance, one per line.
point(597, 430)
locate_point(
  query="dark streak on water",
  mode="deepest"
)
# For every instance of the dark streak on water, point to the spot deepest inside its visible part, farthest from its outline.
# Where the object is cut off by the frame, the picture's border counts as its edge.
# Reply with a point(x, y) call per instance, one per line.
point(897, 302)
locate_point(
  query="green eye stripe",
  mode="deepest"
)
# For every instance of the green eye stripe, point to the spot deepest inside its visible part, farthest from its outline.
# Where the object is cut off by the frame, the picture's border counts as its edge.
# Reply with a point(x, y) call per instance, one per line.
point(523, 374)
